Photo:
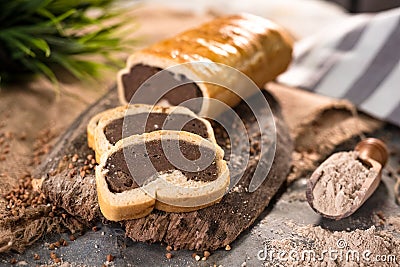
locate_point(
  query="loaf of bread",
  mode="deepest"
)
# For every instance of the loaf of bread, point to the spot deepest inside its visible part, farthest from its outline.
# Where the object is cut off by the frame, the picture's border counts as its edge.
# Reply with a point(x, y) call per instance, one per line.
point(252, 45)
point(140, 173)
point(123, 121)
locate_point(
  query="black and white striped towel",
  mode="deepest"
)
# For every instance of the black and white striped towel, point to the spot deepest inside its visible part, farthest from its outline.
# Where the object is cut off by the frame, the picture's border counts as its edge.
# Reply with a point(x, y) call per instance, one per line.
point(358, 60)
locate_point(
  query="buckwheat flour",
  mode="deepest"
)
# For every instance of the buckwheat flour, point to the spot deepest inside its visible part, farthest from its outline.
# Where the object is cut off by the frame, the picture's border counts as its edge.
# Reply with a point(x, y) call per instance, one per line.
point(314, 246)
point(339, 187)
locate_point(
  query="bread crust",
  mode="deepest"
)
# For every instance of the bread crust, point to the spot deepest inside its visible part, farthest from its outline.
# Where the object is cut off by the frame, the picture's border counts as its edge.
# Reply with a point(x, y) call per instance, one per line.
point(91, 128)
point(253, 45)
point(160, 193)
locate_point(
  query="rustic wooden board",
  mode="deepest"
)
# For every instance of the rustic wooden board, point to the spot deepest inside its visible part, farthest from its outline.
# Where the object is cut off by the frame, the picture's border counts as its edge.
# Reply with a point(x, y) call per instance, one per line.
point(209, 228)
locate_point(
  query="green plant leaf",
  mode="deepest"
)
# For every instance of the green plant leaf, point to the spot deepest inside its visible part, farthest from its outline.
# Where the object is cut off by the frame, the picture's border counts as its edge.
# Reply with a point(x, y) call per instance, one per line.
point(49, 33)
point(31, 41)
point(10, 40)
point(37, 66)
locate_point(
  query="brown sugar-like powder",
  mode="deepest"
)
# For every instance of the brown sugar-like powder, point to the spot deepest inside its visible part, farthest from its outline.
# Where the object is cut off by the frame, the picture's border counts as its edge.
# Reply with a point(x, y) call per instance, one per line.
point(340, 184)
point(311, 245)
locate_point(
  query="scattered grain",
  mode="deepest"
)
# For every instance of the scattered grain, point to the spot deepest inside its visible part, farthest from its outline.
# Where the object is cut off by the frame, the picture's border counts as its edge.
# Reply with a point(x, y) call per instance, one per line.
point(23, 136)
point(9, 135)
point(168, 255)
point(23, 196)
point(75, 158)
point(380, 215)
point(42, 145)
point(110, 258)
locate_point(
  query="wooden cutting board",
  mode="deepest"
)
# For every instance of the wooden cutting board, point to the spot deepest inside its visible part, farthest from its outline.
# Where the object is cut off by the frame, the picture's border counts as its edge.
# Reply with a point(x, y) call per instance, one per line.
point(209, 228)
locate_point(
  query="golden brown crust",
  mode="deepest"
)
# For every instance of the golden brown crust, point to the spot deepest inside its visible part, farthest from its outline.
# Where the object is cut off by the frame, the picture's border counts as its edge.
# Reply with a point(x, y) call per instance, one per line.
point(253, 45)
point(234, 41)
point(91, 127)
point(117, 213)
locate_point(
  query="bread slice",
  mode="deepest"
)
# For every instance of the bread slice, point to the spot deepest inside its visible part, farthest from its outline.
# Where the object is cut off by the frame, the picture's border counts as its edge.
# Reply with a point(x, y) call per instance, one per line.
point(141, 118)
point(169, 188)
point(241, 43)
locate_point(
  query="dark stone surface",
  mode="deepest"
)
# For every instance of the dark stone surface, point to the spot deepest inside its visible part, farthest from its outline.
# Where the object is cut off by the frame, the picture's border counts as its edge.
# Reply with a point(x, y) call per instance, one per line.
point(289, 204)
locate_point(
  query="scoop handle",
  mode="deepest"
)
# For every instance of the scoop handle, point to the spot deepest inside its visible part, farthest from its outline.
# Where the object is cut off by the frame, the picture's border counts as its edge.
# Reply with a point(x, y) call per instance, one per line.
point(373, 148)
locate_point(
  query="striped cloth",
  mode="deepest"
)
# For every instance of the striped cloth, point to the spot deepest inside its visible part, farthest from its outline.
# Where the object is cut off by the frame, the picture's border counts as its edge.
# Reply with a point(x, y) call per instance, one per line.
point(358, 60)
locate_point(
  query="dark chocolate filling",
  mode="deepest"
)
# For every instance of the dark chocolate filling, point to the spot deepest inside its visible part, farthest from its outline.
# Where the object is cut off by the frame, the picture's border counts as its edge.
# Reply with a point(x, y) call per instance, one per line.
point(167, 86)
point(120, 179)
point(134, 124)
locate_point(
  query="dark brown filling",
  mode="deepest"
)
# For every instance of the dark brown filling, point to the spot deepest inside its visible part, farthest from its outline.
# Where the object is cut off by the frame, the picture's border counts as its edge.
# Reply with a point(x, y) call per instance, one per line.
point(149, 122)
point(146, 161)
point(166, 86)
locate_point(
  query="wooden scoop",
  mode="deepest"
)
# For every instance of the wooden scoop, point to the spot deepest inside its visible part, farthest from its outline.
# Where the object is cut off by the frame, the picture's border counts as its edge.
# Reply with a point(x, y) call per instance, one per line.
point(373, 153)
